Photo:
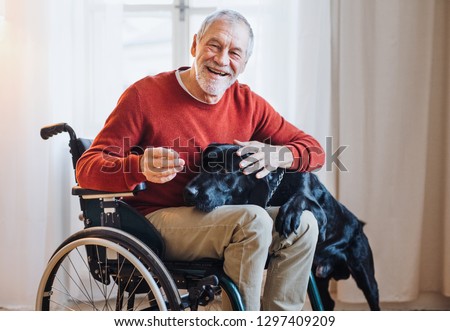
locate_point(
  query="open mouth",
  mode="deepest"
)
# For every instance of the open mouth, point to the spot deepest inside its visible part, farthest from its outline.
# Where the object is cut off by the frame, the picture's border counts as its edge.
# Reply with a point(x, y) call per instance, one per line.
point(217, 72)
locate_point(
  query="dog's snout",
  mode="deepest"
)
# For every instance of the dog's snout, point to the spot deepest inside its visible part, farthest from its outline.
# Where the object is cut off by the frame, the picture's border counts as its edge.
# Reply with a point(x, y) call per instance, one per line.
point(190, 192)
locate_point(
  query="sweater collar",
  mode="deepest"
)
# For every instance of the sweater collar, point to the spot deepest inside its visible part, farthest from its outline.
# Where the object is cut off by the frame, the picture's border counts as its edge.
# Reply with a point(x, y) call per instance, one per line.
point(201, 103)
point(180, 81)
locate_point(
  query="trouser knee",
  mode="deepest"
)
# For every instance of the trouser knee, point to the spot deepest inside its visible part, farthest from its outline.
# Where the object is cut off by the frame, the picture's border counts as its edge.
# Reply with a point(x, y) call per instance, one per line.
point(246, 255)
point(258, 224)
point(309, 229)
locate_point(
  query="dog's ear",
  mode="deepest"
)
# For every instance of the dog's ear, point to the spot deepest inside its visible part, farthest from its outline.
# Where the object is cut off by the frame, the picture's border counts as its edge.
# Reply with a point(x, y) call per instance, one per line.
point(260, 193)
point(217, 156)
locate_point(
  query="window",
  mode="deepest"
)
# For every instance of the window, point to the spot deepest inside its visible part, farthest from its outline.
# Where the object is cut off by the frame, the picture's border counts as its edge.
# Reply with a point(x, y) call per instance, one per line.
point(131, 39)
point(157, 34)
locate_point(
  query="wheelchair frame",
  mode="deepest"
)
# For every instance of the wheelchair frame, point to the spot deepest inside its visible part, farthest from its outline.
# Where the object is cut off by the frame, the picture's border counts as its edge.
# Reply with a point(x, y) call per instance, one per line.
point(119, 251)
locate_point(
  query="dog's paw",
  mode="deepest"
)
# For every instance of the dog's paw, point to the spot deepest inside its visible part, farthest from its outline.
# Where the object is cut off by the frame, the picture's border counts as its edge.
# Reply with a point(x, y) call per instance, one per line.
point(323, 270)
point(288, 220)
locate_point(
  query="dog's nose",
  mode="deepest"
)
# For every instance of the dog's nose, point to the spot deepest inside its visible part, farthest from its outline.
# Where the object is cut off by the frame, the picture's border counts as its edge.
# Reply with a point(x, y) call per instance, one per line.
point(190, 193)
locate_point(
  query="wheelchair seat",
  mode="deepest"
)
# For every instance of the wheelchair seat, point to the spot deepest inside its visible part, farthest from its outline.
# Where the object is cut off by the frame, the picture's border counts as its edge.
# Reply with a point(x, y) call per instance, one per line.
point(117, 260)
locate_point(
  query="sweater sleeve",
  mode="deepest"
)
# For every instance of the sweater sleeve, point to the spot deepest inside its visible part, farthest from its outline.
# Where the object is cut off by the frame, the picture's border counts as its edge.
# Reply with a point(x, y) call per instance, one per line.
point(111, 164)
point(272, 128)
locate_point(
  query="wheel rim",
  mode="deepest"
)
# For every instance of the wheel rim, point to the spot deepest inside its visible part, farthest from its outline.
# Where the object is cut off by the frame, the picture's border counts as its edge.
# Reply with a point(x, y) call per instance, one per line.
point(67, 283)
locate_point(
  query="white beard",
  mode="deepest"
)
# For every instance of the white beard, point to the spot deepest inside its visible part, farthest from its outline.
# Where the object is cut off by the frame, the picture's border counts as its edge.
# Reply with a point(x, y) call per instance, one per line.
point(213, 86)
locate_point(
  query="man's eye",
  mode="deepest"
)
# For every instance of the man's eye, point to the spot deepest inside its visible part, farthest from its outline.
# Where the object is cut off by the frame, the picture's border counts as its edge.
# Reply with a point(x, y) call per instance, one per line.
point(236, 54)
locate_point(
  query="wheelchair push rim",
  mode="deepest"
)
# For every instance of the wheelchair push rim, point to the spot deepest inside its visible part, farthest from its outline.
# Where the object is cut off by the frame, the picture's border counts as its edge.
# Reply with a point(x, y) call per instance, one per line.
point(51, 284)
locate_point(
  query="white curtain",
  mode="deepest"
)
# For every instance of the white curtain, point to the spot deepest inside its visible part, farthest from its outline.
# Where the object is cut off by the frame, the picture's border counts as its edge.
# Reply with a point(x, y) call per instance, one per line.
point(291, 64)
point(45, 77)
point(391, 64)
point(25, 179)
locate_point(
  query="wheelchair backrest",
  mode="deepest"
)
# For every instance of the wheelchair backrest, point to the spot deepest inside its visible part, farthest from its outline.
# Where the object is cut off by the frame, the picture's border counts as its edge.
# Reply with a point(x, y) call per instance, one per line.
point(93, 211)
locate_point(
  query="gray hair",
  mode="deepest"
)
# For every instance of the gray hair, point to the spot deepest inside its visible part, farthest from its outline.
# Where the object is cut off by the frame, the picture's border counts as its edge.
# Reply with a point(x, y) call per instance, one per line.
point(232, 17)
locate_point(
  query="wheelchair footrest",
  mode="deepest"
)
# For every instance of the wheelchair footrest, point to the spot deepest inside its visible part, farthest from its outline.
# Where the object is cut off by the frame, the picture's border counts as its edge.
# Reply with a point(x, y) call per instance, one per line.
point(203, 293)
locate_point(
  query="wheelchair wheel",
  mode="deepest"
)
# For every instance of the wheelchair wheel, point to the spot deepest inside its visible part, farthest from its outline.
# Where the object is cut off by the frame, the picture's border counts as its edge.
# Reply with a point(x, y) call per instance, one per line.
point(106, 269)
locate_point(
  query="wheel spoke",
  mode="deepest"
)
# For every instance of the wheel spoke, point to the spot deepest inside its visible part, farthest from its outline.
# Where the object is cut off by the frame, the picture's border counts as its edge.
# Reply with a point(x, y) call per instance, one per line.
point(116, 270)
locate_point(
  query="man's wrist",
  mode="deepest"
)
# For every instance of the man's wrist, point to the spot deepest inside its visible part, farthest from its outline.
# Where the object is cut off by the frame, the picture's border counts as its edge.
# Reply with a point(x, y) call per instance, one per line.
point(286, 157)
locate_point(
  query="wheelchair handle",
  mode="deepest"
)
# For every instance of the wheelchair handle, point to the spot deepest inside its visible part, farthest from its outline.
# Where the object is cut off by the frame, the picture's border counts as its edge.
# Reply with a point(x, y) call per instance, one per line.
point(54, 129)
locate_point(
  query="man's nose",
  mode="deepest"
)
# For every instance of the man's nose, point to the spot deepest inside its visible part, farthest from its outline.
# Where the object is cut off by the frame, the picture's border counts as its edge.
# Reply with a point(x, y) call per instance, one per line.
point(222, 58)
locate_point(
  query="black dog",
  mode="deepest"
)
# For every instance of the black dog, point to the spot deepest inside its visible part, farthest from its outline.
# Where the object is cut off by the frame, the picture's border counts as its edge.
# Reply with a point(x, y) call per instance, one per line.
point(342, 249)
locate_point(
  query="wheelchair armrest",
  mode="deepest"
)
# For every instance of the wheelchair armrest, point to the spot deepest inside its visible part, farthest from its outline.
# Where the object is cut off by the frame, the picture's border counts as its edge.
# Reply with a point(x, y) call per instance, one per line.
point(93, 194)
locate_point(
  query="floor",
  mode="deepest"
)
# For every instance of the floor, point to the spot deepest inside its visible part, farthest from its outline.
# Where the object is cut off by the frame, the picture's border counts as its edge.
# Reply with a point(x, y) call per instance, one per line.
point(427, 301)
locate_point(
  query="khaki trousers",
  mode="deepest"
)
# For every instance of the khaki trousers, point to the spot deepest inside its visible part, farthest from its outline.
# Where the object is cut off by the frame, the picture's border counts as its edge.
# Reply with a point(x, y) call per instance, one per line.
point(243, 236)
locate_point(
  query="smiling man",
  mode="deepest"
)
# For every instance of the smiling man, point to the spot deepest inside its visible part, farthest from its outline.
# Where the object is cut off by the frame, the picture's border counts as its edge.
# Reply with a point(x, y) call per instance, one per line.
point(170, 118)
point(220, 52)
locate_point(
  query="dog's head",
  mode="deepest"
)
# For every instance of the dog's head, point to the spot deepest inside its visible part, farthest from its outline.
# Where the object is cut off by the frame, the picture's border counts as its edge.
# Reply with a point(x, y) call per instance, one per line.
point(222, 182)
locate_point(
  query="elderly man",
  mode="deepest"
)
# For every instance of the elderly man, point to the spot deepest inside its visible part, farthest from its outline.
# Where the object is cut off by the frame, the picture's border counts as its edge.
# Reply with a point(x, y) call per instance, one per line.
point(170, 118)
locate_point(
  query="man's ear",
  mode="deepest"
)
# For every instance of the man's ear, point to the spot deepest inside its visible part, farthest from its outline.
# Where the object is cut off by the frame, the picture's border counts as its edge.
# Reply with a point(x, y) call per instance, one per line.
point(260, 193)
point(194, 45)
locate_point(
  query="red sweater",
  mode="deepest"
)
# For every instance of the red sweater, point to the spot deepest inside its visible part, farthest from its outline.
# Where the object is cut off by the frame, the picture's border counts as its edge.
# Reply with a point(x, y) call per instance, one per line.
point(157, 111)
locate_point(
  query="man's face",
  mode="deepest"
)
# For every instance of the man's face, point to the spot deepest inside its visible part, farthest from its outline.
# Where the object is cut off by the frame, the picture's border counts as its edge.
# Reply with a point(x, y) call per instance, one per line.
point(220, 56)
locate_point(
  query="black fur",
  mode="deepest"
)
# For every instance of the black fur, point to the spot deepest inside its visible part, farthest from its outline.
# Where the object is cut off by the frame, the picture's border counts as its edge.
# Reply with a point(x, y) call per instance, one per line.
point(342, 249)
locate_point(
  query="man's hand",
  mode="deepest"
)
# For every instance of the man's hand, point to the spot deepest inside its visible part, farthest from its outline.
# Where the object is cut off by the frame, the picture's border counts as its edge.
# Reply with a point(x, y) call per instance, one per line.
point(264, 157)
point(160, 165)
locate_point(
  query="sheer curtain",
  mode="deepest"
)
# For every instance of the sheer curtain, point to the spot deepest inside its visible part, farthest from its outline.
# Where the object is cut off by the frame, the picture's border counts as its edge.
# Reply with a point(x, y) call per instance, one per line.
point(45, 77)
point(26, 180)
point(391, 65)
point(291, 64)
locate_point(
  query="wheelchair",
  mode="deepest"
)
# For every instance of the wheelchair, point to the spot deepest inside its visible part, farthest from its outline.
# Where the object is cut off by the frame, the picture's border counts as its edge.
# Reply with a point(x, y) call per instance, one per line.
point(116, 261)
